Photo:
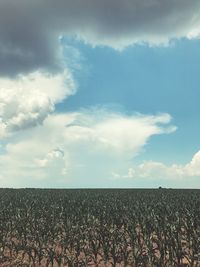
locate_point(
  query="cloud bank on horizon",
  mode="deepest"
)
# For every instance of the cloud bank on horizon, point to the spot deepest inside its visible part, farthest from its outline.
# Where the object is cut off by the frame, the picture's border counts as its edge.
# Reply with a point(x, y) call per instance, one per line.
point(68, 143)
point(155, 170)
point(92, 146)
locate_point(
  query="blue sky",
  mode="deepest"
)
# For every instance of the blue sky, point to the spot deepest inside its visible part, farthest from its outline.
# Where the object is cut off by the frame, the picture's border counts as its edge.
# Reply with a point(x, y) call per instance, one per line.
point(147, 80)
point(91, 100)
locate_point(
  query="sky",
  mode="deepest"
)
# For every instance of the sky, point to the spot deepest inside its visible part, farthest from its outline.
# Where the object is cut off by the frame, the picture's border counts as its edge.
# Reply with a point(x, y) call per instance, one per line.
point(99, 93)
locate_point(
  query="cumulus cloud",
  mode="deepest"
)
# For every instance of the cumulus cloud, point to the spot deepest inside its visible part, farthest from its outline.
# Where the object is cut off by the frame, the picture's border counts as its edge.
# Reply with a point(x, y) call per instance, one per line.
point(30, 30)
point(51, 156)
point(54, 162)
point(162, 172)
point(119, 133)
point(27, 100)
point(79, 144)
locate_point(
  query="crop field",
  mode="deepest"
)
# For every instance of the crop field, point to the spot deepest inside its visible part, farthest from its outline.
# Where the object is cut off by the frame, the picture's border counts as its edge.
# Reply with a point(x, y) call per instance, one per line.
point(99, 227)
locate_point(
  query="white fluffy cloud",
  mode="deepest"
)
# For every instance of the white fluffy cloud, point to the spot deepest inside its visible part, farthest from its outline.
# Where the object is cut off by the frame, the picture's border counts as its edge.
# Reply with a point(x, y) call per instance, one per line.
point(118, 133)
point(76, 142)
point(29, 30)
point(27, 100)
point(54, 163)
point(162, 172)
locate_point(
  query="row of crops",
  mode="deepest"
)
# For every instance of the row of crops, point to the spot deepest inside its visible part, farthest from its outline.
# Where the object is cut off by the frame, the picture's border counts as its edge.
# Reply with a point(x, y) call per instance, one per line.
point(116, 227)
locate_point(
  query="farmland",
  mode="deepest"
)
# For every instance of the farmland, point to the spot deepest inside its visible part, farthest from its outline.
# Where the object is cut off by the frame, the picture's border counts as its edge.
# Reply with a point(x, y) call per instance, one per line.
point(99, 227)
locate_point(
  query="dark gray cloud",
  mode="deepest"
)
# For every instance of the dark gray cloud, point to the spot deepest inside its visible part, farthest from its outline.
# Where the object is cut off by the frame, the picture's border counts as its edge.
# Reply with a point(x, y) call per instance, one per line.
point(29, 29)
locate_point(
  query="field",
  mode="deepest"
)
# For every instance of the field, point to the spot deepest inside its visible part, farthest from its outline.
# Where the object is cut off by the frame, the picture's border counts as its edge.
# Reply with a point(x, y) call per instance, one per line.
point(93, 227)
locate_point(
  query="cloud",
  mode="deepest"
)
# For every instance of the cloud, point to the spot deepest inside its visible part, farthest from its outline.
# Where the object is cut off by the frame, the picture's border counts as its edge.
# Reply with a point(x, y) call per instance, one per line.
point(54, 162)
point(50, 157)
point(160, 172)
point(85, 144)
point(30, 30)
point(27, 100)
point(123, 133)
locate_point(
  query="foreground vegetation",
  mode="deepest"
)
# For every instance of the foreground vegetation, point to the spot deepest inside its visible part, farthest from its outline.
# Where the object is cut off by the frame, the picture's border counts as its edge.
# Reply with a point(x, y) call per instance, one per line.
point(99, 227)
